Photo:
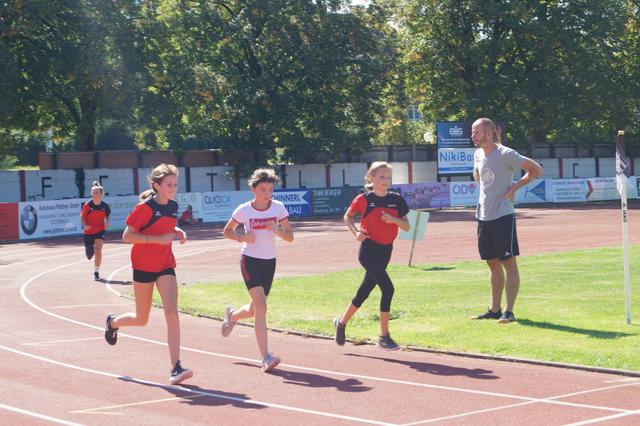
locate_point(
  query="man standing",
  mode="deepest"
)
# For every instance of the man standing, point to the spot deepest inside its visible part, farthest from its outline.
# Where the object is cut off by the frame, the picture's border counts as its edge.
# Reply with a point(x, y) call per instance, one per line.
point(497, 240)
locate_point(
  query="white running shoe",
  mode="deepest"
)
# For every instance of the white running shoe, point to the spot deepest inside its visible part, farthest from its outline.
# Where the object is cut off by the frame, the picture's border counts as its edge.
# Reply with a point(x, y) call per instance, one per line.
point(179, 374)
point(269, 362)
point(227, 324)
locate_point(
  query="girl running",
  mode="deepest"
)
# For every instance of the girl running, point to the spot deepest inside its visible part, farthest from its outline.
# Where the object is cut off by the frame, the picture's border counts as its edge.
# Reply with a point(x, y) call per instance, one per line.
point(151, 228)
point(262, 219)
point(382, 213)
point(94, 217)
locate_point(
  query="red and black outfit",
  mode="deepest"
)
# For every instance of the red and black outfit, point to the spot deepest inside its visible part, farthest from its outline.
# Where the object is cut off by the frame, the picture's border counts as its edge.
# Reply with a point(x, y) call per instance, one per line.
point(375, 251)
point(93, 215)
point(150, 261)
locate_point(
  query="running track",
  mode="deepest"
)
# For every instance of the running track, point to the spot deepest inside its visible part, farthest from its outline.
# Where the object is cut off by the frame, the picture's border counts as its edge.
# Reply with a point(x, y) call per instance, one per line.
point(56, 367)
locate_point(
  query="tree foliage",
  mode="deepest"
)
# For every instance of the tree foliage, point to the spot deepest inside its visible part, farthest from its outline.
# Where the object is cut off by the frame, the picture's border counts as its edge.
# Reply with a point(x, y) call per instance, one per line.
point(551, 70)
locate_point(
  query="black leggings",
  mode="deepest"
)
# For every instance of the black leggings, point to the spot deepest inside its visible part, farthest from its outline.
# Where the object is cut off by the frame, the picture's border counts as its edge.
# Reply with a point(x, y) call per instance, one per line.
point(374, 258)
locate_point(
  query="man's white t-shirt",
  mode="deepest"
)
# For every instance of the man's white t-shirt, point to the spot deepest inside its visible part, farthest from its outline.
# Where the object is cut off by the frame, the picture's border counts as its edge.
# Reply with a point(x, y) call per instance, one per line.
point(261, 223)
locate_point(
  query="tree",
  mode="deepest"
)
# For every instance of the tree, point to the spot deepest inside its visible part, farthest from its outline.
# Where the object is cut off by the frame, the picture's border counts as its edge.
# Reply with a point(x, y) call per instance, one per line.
point(68, 64)
point(546, 69)
point(302, 76)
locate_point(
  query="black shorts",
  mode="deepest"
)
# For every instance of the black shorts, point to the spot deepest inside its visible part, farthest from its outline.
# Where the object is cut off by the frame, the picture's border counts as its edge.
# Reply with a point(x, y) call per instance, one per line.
point(151, 277)
point(89, 239)
point(497, 239)
point(258, 272)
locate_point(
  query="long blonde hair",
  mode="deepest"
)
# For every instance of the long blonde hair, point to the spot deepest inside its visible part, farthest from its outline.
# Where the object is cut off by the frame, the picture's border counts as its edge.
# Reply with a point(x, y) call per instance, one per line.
point(156, 176)
point(373, 168)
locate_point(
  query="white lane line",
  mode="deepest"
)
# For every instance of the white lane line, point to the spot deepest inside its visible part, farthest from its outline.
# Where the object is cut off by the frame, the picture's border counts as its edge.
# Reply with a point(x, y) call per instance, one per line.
point(40, 258)
point(469, 413)
point(602, 419)
point(194, 391)
point(89, 305)
point(330, 372)
point(550, 400)
point(100, 410)
point(37, 415)
point(50, 342)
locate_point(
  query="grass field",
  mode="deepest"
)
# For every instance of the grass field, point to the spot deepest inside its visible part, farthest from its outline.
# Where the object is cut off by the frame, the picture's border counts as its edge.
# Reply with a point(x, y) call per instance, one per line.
point(570, 308)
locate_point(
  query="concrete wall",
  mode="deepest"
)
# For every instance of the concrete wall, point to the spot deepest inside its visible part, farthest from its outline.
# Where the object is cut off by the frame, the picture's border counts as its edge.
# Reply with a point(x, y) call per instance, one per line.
point(351, 174)
point(114, 181)
point(306, 175)
point(9, 187)
point(424, 171)
point(201, 179)
point(50, 184)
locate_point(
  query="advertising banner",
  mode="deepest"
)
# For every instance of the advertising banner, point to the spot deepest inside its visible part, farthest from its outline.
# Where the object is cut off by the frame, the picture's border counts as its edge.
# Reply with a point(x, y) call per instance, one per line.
point(297, 202)
point(218, 206)
point(331, 201)
point(455, 148)
point(464, 194)
point(569, 190)
point(120, 209)
point(43, 219)
point(189, 201)
point(536, 191)
point(425, 195)
point(600, 189)
point(9, 222)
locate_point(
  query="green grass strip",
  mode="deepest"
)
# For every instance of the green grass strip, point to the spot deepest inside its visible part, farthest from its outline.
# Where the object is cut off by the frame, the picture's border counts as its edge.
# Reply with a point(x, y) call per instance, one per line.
point(570, 308)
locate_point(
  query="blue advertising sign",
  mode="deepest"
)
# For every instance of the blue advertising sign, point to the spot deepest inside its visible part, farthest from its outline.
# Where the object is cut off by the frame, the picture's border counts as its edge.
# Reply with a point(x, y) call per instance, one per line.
point(455, 147)
point(297, 201)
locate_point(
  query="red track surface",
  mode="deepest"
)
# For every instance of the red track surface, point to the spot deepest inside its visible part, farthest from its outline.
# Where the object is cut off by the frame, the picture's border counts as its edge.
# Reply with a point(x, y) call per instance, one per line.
point(56, 365)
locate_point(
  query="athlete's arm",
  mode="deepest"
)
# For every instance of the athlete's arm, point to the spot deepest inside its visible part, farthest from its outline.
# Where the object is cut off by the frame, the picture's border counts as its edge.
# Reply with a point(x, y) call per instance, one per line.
point(283, 230)
point(132, 236)
point(230, 233)
point(533, 170)
point(180, 234)
point(349, 219)
point(401, 222)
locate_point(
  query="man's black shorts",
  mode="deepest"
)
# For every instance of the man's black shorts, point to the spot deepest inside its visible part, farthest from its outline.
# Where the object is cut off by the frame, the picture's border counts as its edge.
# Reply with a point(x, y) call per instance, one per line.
point(258, 272)
point(497, 239)
point(151, 277)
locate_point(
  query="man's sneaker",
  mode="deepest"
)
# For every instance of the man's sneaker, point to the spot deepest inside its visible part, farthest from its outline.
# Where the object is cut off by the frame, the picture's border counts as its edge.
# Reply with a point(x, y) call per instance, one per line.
point(269, 362)
point(180, 374)
point(227, 324)
point(110, 333)
point(489, 315)
point(506, 317)
point(387, 343)
point(96, 276)
point(340, 335)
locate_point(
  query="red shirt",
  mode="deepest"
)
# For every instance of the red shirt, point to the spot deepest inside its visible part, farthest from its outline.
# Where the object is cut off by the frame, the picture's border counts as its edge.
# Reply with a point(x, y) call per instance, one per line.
point(94, 215)
point(371, 206)
point(151, 218)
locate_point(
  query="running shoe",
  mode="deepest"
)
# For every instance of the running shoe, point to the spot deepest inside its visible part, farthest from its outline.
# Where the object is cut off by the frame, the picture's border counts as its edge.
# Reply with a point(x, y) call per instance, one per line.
point(387, 343)
point(110, 333)
point(96, 276)
point(507, 317)
point(488, 315)
point(179, 374)
point(269, 362)
point(227, 324)
point(340, 334)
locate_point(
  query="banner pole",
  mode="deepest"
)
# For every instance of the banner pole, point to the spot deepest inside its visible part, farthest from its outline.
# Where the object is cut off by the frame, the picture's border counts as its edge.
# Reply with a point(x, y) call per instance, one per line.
point(415, 234)
point(625, 243)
